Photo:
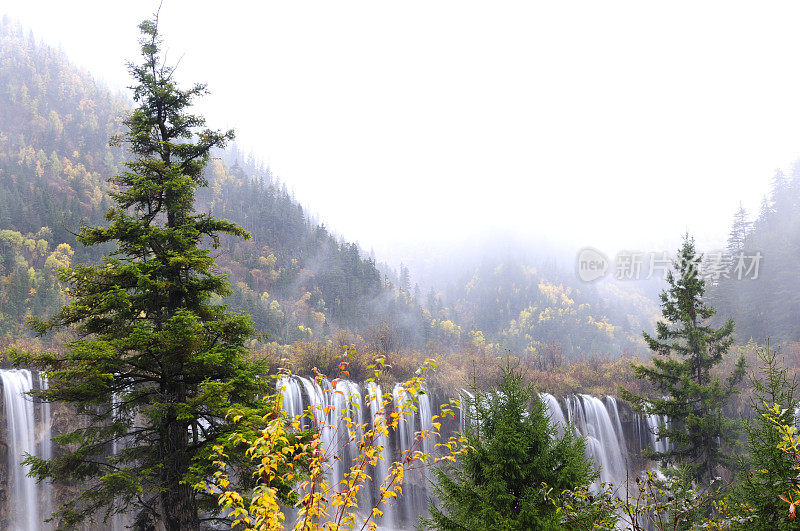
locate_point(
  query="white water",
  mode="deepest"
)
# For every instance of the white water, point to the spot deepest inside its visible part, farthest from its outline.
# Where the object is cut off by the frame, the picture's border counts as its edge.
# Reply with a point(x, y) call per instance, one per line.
point(382, 469)
point(414, 418)
point(597, 419)
point(465, 411)
point(46, 448)
point(554, 410)
point(119, 521)
point(332, 405)
point(292, 397)
point(654, 424)
point(23, 492)
point(605, 442)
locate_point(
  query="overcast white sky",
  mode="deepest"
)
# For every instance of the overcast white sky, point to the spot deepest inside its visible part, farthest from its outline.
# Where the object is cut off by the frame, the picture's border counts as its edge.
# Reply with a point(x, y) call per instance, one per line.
point(610, 124)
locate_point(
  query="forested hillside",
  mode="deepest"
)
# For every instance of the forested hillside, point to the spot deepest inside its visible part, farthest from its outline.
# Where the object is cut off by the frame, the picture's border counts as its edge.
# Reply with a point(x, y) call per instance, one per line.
point(55, 124)
point(297, 279)
point(538, 312)
point(764, 301)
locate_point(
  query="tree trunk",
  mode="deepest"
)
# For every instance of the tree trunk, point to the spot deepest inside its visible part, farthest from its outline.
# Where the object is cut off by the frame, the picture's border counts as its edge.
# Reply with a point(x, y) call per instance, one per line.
point(177, 499)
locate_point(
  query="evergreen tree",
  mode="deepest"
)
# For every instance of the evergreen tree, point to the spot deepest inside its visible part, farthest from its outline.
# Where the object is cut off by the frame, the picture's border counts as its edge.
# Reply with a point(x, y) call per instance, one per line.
point(690, 395)
point(739, 231)
point(767, 471)
point(727, 292)
point(405, 278)
point(158, 361)
point(515, 458)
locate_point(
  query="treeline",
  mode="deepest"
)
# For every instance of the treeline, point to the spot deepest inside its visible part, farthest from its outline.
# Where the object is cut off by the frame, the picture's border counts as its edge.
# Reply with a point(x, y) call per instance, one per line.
point(55, 122)
point(535, 312)
point(761, 289)
point(298, 280)
point(28, 271)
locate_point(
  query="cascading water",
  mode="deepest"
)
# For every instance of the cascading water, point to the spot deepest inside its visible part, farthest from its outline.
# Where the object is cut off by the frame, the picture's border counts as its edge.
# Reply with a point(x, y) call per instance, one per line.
point(605, 442)
point(292, 396)
point(45, 447)
point(555, 413)
point(654, 424)
point(382, 468)
point(332, 406)
point(322, 411)
point(426, 422)
point(119, 521)
point(415, 502)
point(23, 492)
point(405, 442)
point(346, 404)
point(599, 420)
point(465, 411)
point(609, 436)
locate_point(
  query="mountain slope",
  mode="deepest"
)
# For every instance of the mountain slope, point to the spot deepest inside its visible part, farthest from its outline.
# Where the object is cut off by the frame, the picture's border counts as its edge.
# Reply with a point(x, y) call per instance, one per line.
point(296, 278)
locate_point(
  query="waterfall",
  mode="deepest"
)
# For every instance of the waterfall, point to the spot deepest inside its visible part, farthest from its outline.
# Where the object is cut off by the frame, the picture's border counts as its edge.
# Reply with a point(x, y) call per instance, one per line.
point(605, 442)
point(419, 494)
point(598, 419)
point(346, 402)
point(426, 421)
point(331, 405)
point(382, 468)
point(654, 424)
point(465, 410)
point(613, 412)
point(320, 397)
point(405, 441)
point(555, 413)
point(352, 407)
point(119, 521)
point(292, 396)
point(45, 447)
point(23, 492)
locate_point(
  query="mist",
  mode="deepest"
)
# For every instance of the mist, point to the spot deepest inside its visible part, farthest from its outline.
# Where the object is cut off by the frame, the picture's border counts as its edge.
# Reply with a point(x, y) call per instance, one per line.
point(621, 126)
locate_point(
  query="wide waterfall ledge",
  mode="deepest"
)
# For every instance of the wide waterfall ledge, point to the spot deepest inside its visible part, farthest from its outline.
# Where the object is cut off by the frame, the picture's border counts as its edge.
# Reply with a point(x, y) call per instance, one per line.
point(615, 437)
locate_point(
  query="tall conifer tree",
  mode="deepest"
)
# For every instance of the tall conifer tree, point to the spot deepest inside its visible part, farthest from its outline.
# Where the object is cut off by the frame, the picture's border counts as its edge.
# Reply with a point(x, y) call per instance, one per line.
point(158, 361)
point(687, 349)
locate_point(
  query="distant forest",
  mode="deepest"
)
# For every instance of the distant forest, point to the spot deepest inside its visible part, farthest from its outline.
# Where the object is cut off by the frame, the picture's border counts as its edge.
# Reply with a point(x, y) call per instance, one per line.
point(299, 281)
point(767, 306)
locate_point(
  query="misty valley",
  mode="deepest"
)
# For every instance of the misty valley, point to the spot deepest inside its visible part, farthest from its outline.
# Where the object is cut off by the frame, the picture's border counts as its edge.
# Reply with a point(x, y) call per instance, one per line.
point(187, 345)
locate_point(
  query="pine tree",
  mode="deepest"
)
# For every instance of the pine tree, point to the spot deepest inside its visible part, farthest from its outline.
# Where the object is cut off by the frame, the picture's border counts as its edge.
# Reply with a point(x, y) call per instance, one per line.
point(739, 231)
point(405, 278)
point(158, 361)
point(515, 458)
point(728, 293)
point(687, 350)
